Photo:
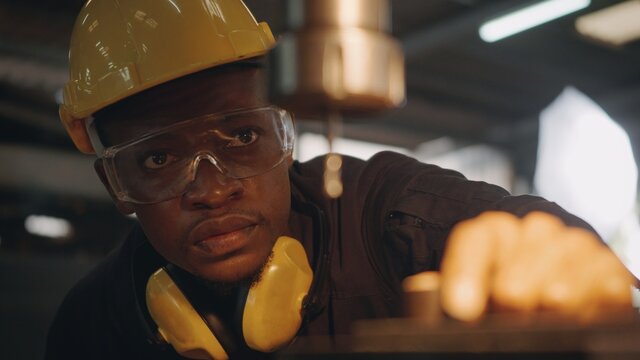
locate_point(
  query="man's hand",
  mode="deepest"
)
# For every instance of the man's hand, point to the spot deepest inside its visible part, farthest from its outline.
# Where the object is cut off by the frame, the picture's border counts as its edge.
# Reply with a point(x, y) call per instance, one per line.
point(534, 263)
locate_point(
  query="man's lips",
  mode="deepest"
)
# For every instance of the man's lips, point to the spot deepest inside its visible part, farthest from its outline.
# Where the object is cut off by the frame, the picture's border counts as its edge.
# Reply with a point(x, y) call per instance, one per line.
point(222, 235)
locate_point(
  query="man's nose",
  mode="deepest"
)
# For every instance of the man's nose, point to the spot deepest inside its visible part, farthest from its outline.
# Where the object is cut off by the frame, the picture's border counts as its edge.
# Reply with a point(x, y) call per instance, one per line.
point(211, 188)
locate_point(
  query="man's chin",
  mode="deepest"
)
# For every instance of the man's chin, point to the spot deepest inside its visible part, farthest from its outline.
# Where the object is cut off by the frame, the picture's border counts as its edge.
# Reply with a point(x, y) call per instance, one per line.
point(233, 273)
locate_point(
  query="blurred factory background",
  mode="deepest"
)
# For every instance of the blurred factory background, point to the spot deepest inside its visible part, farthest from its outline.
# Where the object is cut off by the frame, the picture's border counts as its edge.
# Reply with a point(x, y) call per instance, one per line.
point(472, 104)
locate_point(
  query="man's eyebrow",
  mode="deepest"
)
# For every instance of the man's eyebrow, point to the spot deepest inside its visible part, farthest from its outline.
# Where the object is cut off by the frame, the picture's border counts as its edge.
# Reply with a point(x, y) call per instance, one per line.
point(109, 129)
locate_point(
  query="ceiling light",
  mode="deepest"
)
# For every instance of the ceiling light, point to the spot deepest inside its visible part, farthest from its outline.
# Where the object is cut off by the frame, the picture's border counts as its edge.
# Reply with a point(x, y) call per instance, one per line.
point(47, 226)
point(616, 25)
point(528, 17)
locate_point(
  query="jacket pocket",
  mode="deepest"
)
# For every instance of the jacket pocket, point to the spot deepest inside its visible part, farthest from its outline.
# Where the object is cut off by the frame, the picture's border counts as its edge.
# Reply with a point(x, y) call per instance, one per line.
point(413, 244)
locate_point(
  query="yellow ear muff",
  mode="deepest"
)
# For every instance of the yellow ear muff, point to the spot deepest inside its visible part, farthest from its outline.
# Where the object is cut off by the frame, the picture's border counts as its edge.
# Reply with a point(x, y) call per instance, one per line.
point(178, 322)
point(273, 310)
point(271, 316)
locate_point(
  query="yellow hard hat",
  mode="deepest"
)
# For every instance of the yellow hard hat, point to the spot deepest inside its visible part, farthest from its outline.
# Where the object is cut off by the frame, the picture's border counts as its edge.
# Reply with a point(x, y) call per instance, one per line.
point(119, 48)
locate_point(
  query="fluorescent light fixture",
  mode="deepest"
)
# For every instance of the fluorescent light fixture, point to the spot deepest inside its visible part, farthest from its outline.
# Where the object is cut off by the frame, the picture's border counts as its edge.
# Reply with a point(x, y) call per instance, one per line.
point(616, 25)
point(528, 17)
point(48, 226)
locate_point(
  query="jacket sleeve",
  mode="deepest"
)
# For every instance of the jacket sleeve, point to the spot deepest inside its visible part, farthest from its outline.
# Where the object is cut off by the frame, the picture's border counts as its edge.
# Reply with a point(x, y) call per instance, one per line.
point(84, 326)
point(423, 208)
point(98, 320)
point(72, 333)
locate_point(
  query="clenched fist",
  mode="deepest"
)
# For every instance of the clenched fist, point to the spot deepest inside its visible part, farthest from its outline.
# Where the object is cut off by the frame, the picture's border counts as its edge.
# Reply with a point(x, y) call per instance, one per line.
point(533, 263)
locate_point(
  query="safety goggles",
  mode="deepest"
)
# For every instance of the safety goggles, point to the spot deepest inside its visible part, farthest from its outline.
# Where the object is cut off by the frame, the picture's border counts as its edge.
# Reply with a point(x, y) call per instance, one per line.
point(162, 164)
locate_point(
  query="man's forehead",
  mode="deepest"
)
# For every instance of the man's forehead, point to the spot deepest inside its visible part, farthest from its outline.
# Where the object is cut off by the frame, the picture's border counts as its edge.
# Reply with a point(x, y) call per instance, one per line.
point(197, 95)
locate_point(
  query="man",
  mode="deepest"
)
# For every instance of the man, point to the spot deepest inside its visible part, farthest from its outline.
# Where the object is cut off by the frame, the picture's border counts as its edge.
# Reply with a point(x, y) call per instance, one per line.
point(170, 96)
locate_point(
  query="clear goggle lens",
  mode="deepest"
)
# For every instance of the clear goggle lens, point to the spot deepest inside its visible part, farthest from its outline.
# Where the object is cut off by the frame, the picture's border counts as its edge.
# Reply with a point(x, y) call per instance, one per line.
point(161, 165)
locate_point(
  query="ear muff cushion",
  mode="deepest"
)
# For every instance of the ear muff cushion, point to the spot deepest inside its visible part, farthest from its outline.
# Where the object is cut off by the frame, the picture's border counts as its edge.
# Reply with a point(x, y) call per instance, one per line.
point(178, 322)
point(272, 313)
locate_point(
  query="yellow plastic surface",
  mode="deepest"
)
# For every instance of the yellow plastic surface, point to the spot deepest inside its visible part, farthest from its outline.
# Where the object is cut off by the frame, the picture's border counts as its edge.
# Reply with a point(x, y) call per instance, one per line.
point(119, 48)
point(178, 322)
point(272, 314)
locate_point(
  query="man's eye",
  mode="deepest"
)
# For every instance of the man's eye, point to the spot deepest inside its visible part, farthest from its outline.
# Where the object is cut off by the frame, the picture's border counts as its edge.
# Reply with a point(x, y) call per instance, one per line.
point(158, 160)
point(243, 137)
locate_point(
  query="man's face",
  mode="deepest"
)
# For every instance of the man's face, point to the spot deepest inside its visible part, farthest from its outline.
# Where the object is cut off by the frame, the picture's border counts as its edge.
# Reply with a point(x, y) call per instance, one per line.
point(221, 229)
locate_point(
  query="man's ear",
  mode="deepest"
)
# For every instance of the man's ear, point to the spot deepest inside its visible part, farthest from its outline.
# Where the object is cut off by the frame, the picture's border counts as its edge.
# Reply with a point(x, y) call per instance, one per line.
point(123, 206)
